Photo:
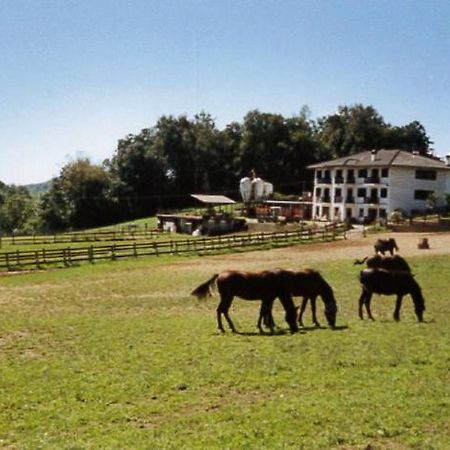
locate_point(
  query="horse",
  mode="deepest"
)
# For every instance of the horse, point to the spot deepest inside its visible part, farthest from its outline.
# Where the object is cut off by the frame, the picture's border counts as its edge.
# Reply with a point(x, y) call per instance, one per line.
point(395, 262)
point(265, 286)
point(399, 283)
point(309, 284)
point(385, 245)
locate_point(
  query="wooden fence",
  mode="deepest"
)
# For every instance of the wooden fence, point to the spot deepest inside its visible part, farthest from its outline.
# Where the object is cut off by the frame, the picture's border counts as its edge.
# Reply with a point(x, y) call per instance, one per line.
point(39, 259)
point(82, 236)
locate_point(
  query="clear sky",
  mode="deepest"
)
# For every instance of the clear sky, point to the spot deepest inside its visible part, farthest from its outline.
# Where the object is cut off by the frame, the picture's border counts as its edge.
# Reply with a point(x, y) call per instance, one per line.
point(78, 75)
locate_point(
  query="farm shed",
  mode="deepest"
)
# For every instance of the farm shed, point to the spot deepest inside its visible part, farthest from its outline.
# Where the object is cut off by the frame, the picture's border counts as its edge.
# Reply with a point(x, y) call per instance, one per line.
point(217, 218)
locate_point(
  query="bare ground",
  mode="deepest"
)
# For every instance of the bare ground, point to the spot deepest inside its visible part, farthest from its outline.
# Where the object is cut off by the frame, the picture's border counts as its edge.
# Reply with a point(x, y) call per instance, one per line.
point(355, 246)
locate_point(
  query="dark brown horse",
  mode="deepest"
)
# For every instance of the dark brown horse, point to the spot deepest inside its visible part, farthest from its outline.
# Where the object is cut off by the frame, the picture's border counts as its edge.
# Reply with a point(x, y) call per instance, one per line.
point(380, 281)
point(385, 245)
point(395, 262)
point(264, 286)
point(308, 284)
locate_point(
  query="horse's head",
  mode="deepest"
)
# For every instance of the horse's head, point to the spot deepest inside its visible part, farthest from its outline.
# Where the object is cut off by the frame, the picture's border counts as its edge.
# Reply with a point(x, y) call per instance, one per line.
point(419, 302)
point(394, 244)
point(330, 304)
point(330, 314)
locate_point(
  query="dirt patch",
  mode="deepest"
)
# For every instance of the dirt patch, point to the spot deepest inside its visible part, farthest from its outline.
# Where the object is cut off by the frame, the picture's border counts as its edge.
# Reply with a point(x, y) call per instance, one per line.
point(355, 246)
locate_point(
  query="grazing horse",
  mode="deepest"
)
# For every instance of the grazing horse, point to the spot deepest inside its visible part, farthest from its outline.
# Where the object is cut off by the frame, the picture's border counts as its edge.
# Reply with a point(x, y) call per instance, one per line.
point(309, 284)
point(401, 283)
point(385, 245)
point(265, 286)
point(395, 262)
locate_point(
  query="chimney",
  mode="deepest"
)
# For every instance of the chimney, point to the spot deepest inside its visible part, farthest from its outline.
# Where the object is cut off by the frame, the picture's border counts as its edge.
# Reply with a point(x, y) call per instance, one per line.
point(373, 154)
point(447, 159)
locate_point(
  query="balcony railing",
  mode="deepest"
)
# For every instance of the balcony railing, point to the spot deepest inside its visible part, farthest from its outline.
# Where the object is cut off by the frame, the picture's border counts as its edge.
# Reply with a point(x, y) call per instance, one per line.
point(338, 180)
point(350, 180)
point(326, 180)
point(350, 200)
point(372, 200)
point(338, 198)
point(325, 199)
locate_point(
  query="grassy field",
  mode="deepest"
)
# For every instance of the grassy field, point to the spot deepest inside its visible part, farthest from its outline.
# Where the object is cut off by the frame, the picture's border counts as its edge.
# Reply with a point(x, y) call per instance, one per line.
point(118, 355)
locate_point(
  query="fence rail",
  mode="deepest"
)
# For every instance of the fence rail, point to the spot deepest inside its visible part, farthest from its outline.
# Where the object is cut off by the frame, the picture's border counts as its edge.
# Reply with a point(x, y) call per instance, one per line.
point(79, 237)
point(38, 259)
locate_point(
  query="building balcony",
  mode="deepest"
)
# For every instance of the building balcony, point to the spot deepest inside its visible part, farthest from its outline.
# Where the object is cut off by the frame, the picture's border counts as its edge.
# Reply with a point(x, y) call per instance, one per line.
point(338, 180)
point(350, 180)
point(324, 180)
point(372, 200)
point(350, 200)
point(338, 199)
point(325, 199)
point(372, 180)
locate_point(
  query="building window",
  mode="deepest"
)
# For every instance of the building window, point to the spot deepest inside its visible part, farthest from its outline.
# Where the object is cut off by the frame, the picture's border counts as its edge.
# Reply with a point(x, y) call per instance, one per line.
point(383, 192)
point(319, 174)
point(385, 173)
point(318, 192)
point(382, 213)
point(361, 212)
point(423, 174)
point(421, 194)
point(362, 173)
point(361, 192)
point(350, 176)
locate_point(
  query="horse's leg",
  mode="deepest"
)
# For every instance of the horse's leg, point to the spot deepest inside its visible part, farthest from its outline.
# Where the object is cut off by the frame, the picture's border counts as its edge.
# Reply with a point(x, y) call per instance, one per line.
point(367, 300)
point(361, 302)
point(265, 314)
point(224, 306)
point(313, 309)
point(302, 310)
point(398, 305)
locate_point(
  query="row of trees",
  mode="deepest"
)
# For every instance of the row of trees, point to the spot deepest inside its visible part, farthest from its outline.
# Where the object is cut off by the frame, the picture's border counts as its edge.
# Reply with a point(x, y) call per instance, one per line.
point(159, 167)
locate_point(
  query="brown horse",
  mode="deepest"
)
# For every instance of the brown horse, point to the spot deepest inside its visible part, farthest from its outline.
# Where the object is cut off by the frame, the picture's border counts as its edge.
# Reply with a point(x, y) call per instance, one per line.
point(309, 284)
point(380, 281)
point(395, 262)
point(265, 286)
point(385, 245)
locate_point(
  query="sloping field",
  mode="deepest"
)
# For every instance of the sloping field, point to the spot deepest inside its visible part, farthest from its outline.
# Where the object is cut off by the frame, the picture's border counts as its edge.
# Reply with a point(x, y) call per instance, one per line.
point(119, 355)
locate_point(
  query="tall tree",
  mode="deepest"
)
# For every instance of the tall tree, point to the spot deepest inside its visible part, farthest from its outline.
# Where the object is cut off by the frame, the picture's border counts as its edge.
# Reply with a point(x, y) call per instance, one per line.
point(80, 197)
point(351, 130)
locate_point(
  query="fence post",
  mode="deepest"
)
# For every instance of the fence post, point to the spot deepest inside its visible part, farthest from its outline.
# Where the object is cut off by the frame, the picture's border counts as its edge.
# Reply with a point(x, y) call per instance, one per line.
point(155, 246)
point(135, 249)
point(7, 261)
point(36, 257)
point(91, 254)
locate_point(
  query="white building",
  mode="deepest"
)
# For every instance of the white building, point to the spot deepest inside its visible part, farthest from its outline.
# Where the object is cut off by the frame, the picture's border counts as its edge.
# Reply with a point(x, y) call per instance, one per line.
point(370, 185)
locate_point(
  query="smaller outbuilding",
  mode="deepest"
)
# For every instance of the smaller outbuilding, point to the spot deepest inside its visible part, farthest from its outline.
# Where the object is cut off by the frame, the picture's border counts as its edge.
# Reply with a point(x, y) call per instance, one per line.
point(217, 218)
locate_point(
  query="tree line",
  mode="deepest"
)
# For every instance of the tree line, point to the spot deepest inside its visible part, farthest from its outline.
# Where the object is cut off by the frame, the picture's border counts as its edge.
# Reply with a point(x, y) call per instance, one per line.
point(161, 166)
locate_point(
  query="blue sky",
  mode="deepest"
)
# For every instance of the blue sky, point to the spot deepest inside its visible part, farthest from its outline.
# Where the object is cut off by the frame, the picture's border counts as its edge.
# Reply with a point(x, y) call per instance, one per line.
point(76, 75)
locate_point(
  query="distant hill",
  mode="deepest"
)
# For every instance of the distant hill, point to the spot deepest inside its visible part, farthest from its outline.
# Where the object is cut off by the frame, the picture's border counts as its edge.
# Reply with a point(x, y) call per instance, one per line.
point(39, 188)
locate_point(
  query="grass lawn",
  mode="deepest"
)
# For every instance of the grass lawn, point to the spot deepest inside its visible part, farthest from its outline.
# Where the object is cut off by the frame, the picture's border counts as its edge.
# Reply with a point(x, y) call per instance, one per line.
point(119, 355)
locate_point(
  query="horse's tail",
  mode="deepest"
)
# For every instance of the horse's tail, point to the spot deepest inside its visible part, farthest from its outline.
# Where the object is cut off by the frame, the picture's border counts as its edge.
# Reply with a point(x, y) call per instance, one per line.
point(360, 262)
point(204, 290)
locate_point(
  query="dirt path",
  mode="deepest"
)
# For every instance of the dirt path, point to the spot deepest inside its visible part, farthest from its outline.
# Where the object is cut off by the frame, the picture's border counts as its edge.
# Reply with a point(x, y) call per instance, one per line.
point(355, 246)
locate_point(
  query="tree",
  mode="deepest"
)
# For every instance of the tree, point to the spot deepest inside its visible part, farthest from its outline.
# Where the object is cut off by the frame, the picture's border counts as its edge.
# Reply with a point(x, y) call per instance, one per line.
point(16, 209)
point(357, 128)
point(138, 174)
point(79, 197)
point(351, 130)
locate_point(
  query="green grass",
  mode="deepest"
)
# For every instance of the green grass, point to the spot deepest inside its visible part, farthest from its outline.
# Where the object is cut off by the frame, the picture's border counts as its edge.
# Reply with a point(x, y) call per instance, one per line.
point(120, 356)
